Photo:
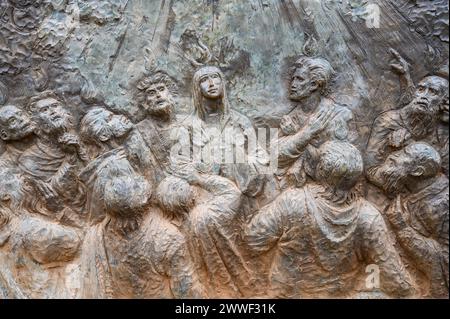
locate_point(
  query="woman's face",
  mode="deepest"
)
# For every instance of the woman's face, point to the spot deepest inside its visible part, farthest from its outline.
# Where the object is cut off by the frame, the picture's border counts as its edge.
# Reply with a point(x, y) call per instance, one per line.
point(211, 86)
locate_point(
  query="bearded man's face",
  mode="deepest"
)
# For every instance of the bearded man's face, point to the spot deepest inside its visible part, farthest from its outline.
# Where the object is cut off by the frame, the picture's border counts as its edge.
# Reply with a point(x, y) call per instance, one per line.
point(51, 117)
point(159, 100)
point(423, 111)
point(392, 176)
point(15, 124)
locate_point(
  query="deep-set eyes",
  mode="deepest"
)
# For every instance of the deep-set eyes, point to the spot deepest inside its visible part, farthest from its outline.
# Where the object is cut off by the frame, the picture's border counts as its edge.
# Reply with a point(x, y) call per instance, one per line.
point(213, 76)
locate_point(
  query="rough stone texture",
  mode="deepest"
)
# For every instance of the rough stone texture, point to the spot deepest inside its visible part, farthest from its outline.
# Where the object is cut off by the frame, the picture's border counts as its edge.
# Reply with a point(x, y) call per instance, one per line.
point(96, 95)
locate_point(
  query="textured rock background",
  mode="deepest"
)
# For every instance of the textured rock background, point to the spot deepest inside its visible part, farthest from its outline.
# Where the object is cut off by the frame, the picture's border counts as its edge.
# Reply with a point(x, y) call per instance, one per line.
point(101, 48)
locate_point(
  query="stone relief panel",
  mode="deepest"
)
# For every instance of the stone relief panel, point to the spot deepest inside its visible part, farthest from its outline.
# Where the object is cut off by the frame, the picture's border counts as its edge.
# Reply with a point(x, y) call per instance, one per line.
point(224, 149)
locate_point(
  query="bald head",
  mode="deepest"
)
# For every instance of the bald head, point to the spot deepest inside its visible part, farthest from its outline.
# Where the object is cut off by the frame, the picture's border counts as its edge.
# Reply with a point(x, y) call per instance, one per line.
point(15, 124)
point(408, 167)
point(422, 160)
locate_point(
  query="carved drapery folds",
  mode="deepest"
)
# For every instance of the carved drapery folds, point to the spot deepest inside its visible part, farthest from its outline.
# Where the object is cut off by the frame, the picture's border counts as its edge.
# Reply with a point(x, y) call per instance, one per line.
point(224, 149)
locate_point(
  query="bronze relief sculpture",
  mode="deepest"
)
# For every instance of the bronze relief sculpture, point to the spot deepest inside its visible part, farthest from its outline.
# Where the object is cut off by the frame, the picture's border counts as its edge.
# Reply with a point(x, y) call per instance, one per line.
point(277, 149)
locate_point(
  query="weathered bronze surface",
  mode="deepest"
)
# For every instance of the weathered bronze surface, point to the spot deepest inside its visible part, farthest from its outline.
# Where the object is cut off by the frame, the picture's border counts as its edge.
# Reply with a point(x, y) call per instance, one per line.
point(224, 149)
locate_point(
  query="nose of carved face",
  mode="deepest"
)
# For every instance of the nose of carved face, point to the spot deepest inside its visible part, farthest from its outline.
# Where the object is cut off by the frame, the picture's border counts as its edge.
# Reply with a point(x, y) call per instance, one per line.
point(25, 126)
point(423, 104)
point(55, 114)
point(298, 92)
point(212, 88)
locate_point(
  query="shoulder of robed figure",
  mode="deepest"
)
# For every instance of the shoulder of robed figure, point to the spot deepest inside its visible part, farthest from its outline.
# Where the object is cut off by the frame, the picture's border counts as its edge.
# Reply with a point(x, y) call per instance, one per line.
point(344, 110)
point(388, 117)
point(158, 227)
point(291, 199)
point(369, 215)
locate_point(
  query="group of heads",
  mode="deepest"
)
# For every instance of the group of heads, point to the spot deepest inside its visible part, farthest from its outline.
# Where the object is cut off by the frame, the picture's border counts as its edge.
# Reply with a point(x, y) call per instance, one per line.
point(156, 93)
point(339, 165)
point(44, 114)
point(315, 75)
point(131, 196)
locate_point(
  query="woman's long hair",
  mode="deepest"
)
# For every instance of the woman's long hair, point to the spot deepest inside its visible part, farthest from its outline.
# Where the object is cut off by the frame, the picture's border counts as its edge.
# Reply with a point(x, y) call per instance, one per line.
point(197, 96)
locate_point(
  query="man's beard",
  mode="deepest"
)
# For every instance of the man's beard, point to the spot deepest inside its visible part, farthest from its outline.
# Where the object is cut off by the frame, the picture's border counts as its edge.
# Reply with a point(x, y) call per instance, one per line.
point(161, 111)
point(24, 133)
point(394, 180)
point(62, 125)
point(298, 95)
point(420, 120)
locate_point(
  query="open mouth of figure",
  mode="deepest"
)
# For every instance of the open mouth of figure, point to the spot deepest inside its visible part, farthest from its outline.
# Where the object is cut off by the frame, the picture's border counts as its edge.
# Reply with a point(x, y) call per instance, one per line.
point(160, 103)
point(213, 91)
point(422, 103)
point(25, 126)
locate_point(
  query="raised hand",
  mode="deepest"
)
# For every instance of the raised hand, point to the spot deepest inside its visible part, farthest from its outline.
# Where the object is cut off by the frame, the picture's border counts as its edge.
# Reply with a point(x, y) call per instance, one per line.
point(321, 120)
point(399, 65)
point(287, 125)
point(398, 138)
point(46, 190)
point(395, 214)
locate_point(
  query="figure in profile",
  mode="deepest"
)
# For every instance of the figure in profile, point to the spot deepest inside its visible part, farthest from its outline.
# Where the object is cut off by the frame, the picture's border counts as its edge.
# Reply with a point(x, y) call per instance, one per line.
point(418, 213)
point(326, 232)
point(17, 133)
point(421, 119)
point(117, 148)
point(316, 119)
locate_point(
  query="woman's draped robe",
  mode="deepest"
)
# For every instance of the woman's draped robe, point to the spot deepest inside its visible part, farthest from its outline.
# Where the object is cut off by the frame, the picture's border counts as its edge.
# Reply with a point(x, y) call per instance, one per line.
point(213, 227)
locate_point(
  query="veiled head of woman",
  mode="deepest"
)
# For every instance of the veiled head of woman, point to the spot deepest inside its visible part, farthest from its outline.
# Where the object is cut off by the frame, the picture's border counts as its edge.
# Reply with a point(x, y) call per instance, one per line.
point(209, 84)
